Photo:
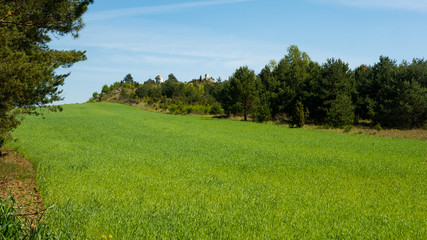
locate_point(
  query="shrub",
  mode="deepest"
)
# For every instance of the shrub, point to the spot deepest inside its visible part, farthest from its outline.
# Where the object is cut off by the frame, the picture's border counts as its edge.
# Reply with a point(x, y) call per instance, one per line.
point(105, 89)
point(378, 127)
point(128, 85)
point(216, 109)
point(348, 128)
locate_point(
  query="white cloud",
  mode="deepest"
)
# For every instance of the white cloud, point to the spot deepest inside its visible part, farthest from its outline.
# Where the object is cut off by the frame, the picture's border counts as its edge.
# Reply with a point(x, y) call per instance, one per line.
point(129, 12)
point(413, 5)
point(154, 44)
point(97, 69)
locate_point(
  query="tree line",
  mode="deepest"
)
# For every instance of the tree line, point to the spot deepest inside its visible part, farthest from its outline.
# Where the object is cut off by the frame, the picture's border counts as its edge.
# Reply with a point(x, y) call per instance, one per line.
point(298, 90)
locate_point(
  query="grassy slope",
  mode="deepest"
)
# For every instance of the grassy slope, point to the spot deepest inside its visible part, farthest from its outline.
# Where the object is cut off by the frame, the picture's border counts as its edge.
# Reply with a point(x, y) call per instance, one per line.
point(114, 169)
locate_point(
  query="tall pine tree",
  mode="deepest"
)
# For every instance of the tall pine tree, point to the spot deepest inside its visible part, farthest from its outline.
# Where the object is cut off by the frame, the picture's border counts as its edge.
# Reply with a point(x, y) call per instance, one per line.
point(27, 64)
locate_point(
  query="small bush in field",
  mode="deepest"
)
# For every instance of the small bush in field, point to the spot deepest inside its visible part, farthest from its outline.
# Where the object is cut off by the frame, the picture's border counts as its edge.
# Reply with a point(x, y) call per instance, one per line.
point(347, 128)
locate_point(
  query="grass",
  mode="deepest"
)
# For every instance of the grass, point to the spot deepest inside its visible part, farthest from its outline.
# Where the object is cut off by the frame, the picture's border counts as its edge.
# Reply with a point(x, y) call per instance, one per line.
point(17, 225)
point(116, 170)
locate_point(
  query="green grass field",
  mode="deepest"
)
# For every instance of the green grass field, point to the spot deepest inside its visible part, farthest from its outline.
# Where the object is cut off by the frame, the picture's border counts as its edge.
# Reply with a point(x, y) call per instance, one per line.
point(116, 170)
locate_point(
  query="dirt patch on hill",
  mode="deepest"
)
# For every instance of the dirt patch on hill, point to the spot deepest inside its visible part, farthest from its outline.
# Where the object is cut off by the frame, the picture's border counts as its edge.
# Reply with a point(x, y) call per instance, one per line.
point(416, 134)
point(18, 179)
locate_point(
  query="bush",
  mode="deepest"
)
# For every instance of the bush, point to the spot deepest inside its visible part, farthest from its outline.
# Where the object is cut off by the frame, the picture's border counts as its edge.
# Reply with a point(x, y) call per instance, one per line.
point(105, 89)
point(125, 93)
point(216, 109)
point(128, 85)
point(348, 128)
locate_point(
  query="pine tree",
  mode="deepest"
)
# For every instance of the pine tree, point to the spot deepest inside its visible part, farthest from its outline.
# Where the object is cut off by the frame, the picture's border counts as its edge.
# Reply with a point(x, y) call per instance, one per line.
point(27, 76)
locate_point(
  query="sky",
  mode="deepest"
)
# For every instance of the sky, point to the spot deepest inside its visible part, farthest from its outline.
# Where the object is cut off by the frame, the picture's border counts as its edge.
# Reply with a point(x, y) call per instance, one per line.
point(191, 38)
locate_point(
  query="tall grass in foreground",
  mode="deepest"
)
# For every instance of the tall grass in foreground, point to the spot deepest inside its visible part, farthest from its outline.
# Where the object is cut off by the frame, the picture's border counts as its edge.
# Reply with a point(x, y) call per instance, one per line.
point(120, 171)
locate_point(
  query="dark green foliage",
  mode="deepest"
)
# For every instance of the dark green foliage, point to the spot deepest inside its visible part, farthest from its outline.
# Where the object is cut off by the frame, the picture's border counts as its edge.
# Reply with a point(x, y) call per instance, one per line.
point(412, 94)
point(150, 81)
point(336, 79)
point(266, 107)
point(287, 81)
point(311, 96)
point(341, 111)
point(128, 79)
point(299, 115)
point(386, 85)
point(365, 103)
point(105, 89)
point(261, 112)
point(239, 92)
point(151, 90)
point(393, 95)
point(347, 128)
point(27, 76)
point(170, 88)
point(2, 140)
point(172, 78)
point(216, 109)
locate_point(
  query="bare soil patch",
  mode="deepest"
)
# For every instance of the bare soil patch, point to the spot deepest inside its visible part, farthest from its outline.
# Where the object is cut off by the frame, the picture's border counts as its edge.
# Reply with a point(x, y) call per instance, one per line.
point(18, 179)
point(417, 134)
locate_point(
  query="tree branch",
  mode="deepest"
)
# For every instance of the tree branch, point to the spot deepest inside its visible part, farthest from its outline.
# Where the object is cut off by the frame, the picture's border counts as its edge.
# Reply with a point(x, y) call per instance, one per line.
point(2, 21)
point(35, 213)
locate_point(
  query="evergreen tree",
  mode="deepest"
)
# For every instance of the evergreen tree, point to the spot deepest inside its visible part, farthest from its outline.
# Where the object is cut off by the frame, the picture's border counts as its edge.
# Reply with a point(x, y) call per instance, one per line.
point(290, 76)
point(27, 76)
point(172, 77)
point(239, 92)
point(261, 109)
point(341, 111)
point(128, 79)
point(336, 79)
point(105, 89)
point(365, 97)
point(400, 93)
point(299, 115)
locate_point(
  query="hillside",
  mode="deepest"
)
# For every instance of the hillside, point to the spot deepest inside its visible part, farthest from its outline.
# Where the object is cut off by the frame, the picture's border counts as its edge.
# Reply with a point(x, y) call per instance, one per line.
point(116, 170)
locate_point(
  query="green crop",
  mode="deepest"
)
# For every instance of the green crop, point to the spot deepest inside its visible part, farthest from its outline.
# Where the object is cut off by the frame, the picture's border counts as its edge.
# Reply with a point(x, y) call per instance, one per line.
point(115, 171)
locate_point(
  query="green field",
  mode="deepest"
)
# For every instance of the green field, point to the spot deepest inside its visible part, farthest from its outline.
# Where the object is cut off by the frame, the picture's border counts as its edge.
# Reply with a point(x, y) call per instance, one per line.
point(112, 169)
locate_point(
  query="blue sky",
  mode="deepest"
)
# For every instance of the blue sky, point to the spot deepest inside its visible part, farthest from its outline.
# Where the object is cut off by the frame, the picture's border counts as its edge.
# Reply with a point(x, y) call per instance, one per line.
point(191, 38)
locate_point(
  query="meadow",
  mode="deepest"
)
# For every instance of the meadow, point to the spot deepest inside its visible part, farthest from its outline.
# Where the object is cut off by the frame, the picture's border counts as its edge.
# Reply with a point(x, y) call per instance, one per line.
point(116, 170)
